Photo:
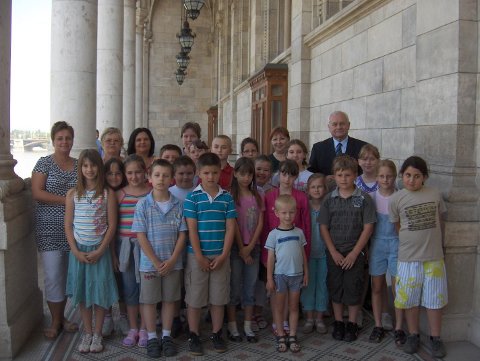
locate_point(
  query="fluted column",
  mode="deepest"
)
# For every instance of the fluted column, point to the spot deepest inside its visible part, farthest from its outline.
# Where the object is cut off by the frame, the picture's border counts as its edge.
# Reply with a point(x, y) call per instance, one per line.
point(129, 34)
point(110, 64)
point(141, 14)
point(74, 68)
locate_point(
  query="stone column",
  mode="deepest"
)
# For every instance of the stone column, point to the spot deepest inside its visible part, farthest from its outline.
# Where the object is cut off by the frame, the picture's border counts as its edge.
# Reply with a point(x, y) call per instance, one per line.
point(110, 64)
point(141, 14)
point(299, 79)
point(20, 298)
point(74, 65)
point(128, 68)
point(445, 135)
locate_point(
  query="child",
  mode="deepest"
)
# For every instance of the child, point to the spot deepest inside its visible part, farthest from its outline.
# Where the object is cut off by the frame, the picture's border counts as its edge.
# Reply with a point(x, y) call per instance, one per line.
point(263, 173)
point(347, 219)
point(170, 152)
point(315, 296)
point(207, 274)
point(190, 132)
point(127, 246)
point(196, 149)
point(417, 212)
point(161, 229)
point(287, 269)
point(368, 159)
point(288, 174)
point(115, 179)
point(245, 254)
point(383, 253)
point(222, 146)
point(297, 151)
point(90, 224)
point(249, 148)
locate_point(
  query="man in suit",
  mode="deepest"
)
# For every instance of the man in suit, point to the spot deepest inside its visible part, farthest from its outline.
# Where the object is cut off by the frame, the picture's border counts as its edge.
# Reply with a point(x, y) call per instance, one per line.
point(324, 152)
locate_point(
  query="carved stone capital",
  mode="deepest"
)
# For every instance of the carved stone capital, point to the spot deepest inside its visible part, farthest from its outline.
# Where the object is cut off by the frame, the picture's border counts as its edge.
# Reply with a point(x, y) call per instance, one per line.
point(10, 187)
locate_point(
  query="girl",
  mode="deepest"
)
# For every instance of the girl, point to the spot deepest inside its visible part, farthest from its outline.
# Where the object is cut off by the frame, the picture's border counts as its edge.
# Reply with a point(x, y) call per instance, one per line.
point(315, 296)
point(190, 132)
point(245, 254)
point(196, 149)
point(417, 212)
point(90, 224)
point(263, 173)
point(383, 253)
point(249, 148)
point(279, 137)
point(115, 174)
point(141, 143)
point(368, 159)
point(288, 174)
point(127, 246)
point(297, 151)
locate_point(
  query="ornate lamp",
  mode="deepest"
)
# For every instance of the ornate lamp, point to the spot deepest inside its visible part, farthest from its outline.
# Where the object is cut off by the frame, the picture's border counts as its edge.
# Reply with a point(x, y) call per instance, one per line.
point(186, 36)
point(180, 75)
point(182, 60)
point(193, 7)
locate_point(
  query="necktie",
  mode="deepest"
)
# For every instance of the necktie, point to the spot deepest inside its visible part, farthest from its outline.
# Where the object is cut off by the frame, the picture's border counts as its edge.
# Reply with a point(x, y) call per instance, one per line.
point(338, 149)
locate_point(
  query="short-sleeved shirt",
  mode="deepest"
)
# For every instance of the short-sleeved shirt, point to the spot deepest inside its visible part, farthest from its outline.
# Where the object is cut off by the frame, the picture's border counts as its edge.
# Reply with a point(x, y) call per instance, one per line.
point(226, 176)
point(180, 193)
point(299, 184)
point(419, 215)
point(211, 215)
point(248, 212)
point(366, 187)
point(346, 217)
point(162, 229)
point(288, 248)
point(50, 218)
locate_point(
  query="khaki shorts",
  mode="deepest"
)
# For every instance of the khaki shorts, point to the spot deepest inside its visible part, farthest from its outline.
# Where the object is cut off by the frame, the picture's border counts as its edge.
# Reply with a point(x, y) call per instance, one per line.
point(155, 288)
point(204, 288)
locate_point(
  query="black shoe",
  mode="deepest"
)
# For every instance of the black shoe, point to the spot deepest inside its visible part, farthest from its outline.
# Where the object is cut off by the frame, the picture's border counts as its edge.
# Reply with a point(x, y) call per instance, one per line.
point(218, 342)
point(377, 335)
point(234, 338)
point(169, 348)
point(412, 344)
point(154, 348)
point(438, 349)
point(195, 345)
point(351, 332)
point(177, 327)
point(338, 330)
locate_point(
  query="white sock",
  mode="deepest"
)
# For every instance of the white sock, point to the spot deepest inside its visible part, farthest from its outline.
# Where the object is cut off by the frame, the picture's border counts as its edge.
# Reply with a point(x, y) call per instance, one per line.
point(247, 327)
point(232, 328)
point(152, 335)
point(166, 333)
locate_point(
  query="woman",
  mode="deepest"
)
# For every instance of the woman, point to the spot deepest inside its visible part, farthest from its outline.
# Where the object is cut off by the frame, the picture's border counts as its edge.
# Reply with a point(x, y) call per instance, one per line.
point(112, 143)
point(52, 177)
point(190, 133)
point(279, 137)
point(141, 143)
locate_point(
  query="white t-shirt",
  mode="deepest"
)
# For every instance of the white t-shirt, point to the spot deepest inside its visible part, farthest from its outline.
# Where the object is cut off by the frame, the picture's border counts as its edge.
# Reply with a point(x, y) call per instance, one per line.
point(288, 248)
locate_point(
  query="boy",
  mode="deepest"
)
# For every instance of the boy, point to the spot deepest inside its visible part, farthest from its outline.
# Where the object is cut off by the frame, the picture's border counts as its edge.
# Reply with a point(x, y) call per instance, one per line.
point(347, 219)
point(210, 214)
point(222, 146)
point(161, 233)
point(287, 269)
point(170, 152)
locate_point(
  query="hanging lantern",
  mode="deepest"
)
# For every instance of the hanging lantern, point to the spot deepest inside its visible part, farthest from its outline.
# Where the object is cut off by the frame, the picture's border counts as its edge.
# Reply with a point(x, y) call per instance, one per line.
point(182, 60)
point(180, 75)
point(193, 7)
point(185, 36)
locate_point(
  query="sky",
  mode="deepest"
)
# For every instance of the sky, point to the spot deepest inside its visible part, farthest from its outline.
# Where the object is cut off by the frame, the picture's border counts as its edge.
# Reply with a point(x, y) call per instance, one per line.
point(30, 68)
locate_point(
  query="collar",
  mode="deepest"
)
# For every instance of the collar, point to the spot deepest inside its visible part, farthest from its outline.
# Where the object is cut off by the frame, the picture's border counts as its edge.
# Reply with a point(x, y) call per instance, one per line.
point(199, 189)
point(344, 142)
point(356, 193)
point(151, 202)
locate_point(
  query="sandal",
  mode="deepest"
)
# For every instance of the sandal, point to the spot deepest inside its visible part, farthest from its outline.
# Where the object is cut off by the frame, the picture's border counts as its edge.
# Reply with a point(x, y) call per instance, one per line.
point(400, 338)
point(293, 344)
point(281, 344)
point(52, 333)
point(261, 322)
point(69, 326)
point(131, 339)
point(142, 338)
point(286, 327)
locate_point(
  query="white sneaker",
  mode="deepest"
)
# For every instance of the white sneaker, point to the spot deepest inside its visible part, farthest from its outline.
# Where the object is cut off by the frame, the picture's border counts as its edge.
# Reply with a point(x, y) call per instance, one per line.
point(84, 346)
point(107, 328)
point(360, 319)
point(96, 345)
point(387, 322)
point(123, 325)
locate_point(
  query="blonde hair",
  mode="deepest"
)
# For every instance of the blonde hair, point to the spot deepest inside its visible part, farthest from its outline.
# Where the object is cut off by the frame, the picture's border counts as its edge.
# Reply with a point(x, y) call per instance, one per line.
point(285, 200)
point(93, 156)
point(224, 137)
point(388, 164)
point(369, 149)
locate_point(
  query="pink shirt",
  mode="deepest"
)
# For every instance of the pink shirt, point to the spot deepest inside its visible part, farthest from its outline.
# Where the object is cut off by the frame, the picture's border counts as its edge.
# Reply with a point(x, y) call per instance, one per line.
point(248, 212)
point(302, 218)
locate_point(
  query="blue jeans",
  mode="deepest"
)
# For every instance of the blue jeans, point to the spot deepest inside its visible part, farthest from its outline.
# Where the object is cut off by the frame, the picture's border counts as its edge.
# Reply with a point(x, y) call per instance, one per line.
point(243, 277)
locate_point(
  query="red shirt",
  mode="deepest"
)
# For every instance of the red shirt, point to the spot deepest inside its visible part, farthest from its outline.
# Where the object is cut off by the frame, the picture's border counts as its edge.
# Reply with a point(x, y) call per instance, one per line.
point(226, 175)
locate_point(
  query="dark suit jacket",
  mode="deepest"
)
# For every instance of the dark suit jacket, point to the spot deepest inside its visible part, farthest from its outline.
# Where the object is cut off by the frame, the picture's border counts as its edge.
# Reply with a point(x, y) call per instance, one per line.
point(323, 153)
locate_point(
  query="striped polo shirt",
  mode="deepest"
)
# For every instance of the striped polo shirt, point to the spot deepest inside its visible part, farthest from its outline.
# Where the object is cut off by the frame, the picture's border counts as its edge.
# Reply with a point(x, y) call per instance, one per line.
point(211, 215)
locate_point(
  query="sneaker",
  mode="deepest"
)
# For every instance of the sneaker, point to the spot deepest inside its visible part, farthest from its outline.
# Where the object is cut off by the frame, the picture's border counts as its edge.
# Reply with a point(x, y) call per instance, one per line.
point(96, 345)
point(387, 322)
point(142, 338)
point(218, 342)
point(377, 335)
point(438, 349)
point(154, 348)
point(195, 345)
point(84, 346)
point(177, 327)
point(169, 348)
point(338, 330)
point(308, 327)
point(412, 344)
point(351, 332)
point(123, 325)
point(320, 327)
point(107, 328)
point(360, 319)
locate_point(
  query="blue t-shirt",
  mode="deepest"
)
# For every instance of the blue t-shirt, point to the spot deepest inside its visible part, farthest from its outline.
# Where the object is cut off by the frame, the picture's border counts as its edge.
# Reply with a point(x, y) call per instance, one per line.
point(288, 248)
